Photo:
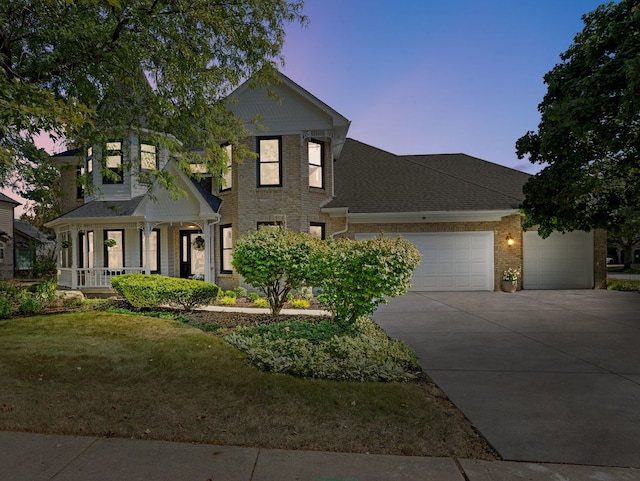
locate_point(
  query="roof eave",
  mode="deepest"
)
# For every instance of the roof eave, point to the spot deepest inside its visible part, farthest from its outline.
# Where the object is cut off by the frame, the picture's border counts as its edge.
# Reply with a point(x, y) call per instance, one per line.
point(420, 217)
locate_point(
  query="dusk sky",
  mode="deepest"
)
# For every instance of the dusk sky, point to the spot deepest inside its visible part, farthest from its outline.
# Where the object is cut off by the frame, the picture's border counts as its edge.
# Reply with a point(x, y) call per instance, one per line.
point(432, 76)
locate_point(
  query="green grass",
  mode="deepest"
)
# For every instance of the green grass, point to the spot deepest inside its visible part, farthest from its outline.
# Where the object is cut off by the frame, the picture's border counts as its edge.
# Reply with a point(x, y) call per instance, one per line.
point(623, 284)
point(111, 374)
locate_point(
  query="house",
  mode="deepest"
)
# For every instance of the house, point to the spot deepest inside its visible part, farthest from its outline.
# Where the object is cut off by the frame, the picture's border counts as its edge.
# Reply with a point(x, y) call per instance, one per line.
point(7, 205)
point(20, 242)
point(460, 211)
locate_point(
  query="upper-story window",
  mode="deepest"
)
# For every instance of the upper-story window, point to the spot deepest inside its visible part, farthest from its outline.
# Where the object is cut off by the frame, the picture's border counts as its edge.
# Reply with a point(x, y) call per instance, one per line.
point(80, 182)
point(89, 164)
point(315, 151)
point(269, 162)
point(2, 249)
point(227, 176)
point(148, 156)
point(114, 164)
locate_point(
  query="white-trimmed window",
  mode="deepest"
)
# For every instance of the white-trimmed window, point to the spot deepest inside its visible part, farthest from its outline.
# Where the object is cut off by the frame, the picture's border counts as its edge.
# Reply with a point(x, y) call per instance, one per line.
point(315, 151)
point(227, 176)
point(148, 156)
point(226, 249)
point(114, 163)
point(269, 162)
point(89, 164)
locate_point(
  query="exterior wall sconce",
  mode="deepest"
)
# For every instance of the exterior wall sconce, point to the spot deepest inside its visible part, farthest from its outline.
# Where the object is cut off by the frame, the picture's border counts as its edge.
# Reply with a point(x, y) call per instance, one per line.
point(510, 240)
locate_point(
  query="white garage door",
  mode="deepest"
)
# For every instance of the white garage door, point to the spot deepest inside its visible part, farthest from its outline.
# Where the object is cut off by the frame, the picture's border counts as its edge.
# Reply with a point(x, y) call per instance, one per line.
point(561, 261)
point(460, 261)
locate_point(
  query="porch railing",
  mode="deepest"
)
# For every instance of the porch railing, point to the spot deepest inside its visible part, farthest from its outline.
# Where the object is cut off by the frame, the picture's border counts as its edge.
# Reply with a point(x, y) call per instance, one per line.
point(93, 277)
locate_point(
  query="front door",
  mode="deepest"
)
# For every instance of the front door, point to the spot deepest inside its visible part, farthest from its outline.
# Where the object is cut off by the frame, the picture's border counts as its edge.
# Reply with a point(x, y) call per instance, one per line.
point(191, 253)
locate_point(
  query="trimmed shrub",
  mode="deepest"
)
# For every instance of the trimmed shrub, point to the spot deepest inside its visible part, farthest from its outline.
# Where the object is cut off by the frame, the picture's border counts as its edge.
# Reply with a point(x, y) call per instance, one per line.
point(149, 291)
point(276, 261)
point(241, 291)
point(300, 304)
point(227, 301)
point(356, 276)
point(230, 294)
point(254, 296)
point(261, 302)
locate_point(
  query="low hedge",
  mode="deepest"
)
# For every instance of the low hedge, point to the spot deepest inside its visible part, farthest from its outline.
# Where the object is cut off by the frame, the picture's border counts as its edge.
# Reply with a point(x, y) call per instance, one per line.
point(327, 350)
point(151, 291)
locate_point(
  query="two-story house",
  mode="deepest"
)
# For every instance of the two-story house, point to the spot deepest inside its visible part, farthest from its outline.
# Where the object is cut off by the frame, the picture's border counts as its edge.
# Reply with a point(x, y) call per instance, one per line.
point(461, 212)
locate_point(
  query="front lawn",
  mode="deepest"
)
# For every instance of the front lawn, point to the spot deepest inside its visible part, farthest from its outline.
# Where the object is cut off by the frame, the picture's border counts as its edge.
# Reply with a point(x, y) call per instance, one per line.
point(110, 374)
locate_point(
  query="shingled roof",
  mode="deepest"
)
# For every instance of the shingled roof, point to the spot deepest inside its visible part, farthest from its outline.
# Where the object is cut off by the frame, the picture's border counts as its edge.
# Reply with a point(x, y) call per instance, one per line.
point(370, 180)
point(104, 208)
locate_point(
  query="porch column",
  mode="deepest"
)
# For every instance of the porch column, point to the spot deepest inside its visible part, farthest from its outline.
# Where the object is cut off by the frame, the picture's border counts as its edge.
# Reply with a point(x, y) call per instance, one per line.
point(147, 247)
point(74, 257)
point(209, 251)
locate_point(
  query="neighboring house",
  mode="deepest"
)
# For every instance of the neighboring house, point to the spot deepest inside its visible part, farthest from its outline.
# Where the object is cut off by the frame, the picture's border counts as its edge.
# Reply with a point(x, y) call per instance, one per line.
point(28, 244)
point(7, 205)
point(459, 210)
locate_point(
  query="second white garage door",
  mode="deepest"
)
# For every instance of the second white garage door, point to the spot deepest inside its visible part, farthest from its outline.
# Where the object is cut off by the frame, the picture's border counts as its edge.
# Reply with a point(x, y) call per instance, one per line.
point(561, 261)
point(451, 261)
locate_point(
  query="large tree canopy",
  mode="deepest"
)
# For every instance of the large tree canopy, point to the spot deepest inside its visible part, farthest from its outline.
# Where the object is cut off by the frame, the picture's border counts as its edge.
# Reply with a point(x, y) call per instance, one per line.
point(589, 133)
point(79, 68)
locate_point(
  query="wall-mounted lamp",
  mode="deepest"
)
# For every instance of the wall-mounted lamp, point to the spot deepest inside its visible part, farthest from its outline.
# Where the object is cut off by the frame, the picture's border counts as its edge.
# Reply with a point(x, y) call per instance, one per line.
point(510, 240)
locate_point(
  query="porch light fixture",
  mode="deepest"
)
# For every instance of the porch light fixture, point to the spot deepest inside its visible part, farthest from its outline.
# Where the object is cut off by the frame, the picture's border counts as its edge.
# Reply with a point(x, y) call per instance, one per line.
point(510, 240)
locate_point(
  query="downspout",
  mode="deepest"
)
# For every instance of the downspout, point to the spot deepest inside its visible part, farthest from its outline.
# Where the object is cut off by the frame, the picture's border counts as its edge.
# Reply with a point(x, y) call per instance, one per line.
point(346, 226)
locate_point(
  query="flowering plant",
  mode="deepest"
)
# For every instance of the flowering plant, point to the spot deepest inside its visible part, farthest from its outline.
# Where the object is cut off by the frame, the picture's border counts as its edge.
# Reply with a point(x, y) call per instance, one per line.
point(511, 274)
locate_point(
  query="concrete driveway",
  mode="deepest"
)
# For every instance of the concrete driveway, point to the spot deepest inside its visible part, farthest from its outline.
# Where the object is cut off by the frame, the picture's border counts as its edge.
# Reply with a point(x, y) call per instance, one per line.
point(547, 376)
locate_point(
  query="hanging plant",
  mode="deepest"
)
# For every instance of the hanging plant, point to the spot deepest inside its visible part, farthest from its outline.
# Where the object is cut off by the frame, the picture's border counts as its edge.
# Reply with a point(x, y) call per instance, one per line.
point(110, 242)
point(65, 244)
point(198, 243)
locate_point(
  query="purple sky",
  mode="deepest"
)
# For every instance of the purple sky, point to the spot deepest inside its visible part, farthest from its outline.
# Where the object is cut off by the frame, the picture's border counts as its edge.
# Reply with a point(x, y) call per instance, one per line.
point(433, 76)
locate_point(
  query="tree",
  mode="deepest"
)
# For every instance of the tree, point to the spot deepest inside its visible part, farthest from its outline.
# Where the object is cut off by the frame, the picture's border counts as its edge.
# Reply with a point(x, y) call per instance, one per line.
point(627, 236)
point(87, 70)
point(589, 132)
point(274, 260)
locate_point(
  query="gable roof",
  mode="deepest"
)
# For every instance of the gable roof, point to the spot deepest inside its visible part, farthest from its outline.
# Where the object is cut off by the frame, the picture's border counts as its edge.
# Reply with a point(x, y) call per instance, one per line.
point(29, 230)
point(369, 180)
point(295, 109)
point(6, 198)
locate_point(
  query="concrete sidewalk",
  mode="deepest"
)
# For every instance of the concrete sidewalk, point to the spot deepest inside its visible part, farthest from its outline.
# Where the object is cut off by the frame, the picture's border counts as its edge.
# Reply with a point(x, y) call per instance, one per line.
point(37, 457)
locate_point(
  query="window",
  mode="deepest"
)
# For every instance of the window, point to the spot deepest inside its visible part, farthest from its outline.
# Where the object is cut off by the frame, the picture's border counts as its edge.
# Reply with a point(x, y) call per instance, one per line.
point(2, 249)
point(114, 254)
point(148, 157)
point(226, 248)
point(317, 229)
point(269, 164)
point(24, 258)
point(227, 176)
point(85, 253)
point(315, 152)
point(80, 182)
point(89, 164)
point(154, 249)
point(114, 163)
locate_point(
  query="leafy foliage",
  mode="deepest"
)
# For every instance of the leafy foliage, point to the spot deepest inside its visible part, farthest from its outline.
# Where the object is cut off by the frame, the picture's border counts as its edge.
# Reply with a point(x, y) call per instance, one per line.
point(274, 260)
point(623, 285)
point(327, 350)
point(85, 69)
point(149, 291)
point(588, 135)
point(355, 276)
point(15, 299)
